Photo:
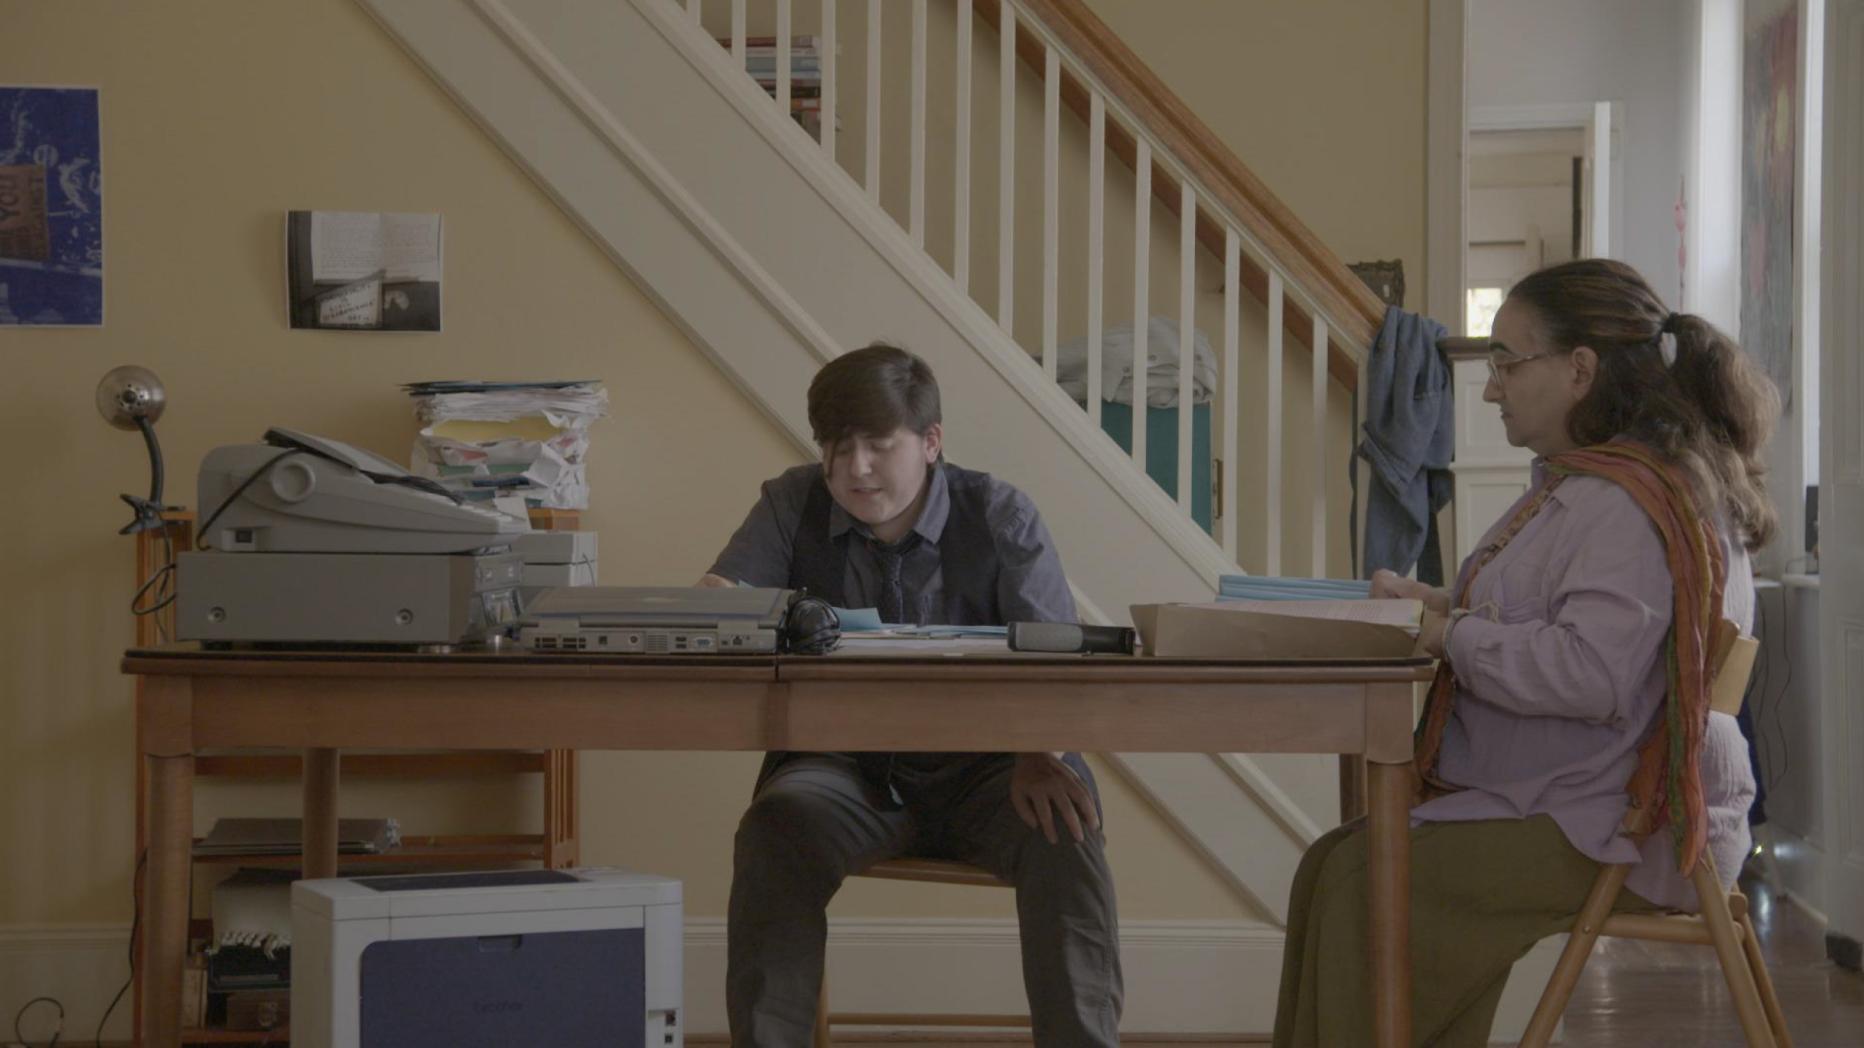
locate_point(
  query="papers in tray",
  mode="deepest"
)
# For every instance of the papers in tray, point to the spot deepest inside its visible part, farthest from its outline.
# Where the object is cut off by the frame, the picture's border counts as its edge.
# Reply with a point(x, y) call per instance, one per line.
point(1281, 629)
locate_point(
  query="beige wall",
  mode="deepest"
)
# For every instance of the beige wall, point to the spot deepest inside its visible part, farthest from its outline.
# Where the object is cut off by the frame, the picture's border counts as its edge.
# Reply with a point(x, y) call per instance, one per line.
point(220, 116)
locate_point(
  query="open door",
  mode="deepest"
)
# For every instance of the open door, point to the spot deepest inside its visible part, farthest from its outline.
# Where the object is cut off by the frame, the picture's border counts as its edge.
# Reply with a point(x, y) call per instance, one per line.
point(1596, 185)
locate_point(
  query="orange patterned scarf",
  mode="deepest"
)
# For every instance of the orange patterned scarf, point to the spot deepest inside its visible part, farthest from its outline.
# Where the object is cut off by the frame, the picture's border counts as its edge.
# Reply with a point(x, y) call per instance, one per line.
point(1668, 780)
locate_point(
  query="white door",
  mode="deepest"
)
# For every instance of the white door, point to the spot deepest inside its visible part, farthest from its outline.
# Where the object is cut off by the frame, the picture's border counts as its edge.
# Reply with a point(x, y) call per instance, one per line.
point(1841, 502)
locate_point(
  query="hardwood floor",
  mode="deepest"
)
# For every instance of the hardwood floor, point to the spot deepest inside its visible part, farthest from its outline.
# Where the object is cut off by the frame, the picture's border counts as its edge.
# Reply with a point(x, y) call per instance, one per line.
point(1655, 995)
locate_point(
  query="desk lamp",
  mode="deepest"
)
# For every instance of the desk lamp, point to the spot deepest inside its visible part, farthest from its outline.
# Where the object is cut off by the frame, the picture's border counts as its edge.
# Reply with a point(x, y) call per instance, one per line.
point(131, 397)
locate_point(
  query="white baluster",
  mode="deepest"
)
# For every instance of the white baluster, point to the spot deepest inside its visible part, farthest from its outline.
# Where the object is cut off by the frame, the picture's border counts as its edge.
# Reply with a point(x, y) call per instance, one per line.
point(737, 32)
point(961, 160)
point(1142, 292)
point(873, 100)
point(783, 57)
point(827, 51)
point(1006, 173)
point(1187, 329)
point(1318, 526)
point(916, 199)
point(1096, 244)
point(1272, 446)
point(1232, 372)
point(1051, 209)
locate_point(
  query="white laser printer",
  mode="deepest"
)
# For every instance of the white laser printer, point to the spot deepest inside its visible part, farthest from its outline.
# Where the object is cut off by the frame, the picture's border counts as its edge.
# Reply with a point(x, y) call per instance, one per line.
point(576, 958)
point(312, 541)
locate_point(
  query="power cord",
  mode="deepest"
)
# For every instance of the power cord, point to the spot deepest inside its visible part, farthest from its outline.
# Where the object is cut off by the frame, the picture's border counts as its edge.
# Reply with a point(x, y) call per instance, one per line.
point(200, 534)
point(135, 927)
point(57, 1031)
point(162, 580)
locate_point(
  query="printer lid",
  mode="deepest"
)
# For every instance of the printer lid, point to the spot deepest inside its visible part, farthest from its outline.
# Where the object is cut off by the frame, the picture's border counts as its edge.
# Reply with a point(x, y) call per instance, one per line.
point(298, 493)
point(481, 892)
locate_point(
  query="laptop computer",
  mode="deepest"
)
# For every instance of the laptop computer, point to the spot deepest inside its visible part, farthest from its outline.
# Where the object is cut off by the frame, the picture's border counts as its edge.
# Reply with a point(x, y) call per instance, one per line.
point(655, 620)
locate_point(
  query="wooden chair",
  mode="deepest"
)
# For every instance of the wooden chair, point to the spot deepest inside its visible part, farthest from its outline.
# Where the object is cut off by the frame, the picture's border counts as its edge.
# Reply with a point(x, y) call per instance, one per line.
point(924, 871)
point(1722, 923)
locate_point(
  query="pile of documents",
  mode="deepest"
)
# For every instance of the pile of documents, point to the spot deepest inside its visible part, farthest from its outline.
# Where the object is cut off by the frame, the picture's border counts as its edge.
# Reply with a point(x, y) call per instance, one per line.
point(1272, 618)
point(508, 441)
point(1266, 587)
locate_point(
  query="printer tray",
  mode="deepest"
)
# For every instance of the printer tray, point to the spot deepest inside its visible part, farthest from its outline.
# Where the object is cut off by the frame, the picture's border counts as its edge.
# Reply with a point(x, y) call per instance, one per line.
point(563, 989)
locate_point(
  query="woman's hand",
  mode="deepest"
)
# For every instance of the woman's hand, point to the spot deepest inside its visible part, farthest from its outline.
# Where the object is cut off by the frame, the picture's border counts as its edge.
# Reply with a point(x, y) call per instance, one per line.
point(1041, 785)
point(1387, 584)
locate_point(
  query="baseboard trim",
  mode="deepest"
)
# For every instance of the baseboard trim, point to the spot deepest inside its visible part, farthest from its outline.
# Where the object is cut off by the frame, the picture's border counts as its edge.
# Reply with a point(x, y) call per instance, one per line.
point(1182, 977)
point(80, 965)
point(1186, 980)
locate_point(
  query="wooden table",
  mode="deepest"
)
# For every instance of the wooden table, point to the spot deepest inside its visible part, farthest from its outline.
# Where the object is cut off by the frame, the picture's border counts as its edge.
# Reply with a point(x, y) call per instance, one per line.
point(326, 702)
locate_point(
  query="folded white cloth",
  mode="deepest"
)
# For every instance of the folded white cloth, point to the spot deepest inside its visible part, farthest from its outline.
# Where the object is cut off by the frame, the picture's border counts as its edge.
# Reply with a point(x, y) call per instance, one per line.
point(1116, 365)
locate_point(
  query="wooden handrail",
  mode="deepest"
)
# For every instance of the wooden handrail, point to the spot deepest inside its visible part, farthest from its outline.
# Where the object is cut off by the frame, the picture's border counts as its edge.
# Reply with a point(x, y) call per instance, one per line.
point(1457, 347)
point(1353, 310)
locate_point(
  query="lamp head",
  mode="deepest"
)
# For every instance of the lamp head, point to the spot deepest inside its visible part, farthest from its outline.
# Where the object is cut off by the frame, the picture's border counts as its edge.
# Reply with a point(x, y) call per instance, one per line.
point(129, 393)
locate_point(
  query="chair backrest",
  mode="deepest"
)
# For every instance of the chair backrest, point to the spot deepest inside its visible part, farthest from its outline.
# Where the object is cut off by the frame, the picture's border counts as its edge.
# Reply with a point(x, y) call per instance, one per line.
point(1733, 658)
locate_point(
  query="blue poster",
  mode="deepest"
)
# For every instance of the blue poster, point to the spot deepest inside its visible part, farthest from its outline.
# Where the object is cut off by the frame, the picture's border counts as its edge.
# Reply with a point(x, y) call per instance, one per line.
point(51, 207)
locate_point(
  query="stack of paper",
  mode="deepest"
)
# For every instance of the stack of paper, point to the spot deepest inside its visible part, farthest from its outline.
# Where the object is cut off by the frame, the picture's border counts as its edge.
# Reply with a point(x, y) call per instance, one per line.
point(512, 440)
point(1269, 587)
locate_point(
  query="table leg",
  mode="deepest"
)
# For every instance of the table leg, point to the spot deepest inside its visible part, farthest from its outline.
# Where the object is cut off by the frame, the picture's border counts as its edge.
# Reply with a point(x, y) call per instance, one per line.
point(1389, 882)
point(320, 812)
point(165, 895)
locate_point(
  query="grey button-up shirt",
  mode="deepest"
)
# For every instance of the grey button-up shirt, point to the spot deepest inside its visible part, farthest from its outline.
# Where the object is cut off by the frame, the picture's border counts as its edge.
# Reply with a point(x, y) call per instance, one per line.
point(1030, 583)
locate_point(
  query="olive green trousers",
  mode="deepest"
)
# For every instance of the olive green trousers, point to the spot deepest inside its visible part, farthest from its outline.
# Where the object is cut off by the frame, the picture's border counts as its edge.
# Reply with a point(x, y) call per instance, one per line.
point(1482, 894)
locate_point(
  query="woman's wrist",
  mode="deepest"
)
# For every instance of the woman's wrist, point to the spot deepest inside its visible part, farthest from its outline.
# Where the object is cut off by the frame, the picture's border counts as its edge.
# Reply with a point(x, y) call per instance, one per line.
point(1455, 616)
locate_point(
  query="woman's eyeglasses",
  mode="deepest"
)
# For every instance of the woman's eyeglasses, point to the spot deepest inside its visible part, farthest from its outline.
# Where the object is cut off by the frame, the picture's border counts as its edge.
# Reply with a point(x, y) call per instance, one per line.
point(1501, 362)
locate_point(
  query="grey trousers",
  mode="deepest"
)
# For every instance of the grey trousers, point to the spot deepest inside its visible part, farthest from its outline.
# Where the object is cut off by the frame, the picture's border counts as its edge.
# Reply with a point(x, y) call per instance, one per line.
point(815, 821)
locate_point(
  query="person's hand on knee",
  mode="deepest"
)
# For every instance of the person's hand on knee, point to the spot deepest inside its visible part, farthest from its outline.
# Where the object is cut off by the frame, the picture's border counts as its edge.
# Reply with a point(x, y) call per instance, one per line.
point(1043, 786)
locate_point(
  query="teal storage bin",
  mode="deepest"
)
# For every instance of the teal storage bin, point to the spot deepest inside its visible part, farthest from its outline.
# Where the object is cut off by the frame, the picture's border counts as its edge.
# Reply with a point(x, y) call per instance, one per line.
point(1162, 449)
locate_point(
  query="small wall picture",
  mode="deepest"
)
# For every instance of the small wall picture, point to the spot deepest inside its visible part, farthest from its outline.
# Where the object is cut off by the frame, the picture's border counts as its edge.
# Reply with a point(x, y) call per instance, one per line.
point(51, 207)
point(363, 270)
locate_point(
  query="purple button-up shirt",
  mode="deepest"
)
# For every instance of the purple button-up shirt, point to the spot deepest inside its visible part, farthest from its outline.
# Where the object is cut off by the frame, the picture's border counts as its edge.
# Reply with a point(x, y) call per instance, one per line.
point(1561, 674)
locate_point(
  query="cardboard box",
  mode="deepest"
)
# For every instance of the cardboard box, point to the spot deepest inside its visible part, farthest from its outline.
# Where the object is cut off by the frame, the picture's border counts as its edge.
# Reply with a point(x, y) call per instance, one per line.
point(1338, 629)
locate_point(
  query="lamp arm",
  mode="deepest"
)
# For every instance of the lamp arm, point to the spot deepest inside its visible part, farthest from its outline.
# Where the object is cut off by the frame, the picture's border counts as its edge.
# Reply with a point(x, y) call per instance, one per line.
point(155, 461)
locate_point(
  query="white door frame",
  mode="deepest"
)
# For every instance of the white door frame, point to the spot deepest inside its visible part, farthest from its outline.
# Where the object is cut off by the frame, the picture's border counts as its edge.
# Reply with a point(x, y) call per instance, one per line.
point(1603, 125)
point(1446, 144)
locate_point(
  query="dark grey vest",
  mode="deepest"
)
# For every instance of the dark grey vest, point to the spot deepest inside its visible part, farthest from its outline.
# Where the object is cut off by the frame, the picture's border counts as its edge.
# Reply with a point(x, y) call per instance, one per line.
point(967, 554)
point(967, 566)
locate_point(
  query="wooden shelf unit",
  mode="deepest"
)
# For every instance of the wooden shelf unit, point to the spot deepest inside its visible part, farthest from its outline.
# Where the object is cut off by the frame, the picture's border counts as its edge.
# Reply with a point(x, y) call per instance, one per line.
point(554, 848)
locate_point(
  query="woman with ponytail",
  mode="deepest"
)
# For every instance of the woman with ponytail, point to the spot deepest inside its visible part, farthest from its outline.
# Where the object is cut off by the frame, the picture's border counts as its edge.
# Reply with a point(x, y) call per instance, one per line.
point(1574, 681)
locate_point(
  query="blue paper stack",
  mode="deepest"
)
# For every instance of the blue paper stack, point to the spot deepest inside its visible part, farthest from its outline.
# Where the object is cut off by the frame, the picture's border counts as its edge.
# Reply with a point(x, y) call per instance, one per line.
point(1267, 587)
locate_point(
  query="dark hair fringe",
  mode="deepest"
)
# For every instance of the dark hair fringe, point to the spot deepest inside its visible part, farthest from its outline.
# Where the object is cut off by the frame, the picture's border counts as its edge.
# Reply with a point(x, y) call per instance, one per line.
point(1711, 412)
point(874, 391)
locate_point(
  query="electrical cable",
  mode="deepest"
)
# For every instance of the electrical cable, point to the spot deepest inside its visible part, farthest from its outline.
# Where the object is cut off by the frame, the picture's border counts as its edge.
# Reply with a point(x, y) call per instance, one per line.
point(162, 579)
point(135, 927)
point(200, 533)
point(57, 1031)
